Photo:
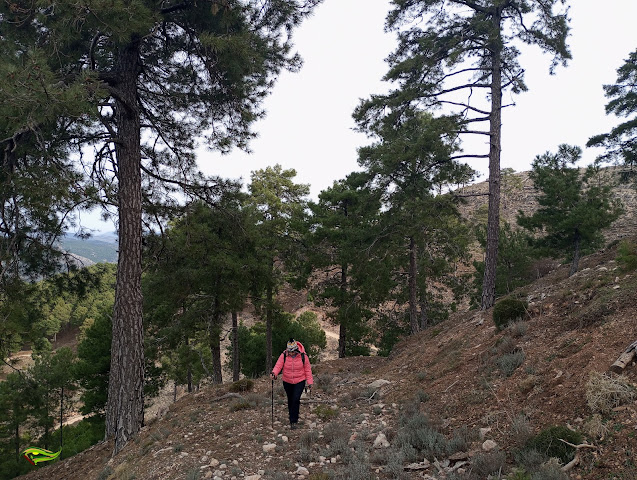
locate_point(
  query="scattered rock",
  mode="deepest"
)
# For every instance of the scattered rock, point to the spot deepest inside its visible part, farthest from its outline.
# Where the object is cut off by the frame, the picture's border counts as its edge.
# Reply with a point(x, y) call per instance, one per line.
point(302, 471)
point(414, 467)
point(381, 441)
point(378, 383)
point(489, 445)
point(483, 432)
point(269, 447)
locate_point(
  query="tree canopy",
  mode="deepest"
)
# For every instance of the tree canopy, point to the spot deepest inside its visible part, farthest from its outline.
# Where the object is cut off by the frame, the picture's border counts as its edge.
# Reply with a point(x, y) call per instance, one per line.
point(621, 142)
point(449, 50)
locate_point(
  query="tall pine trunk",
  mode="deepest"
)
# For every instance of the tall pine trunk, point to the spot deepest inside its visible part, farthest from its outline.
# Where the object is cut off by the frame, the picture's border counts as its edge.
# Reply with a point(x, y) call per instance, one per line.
point(125, 405)
point(235, 347)
point(413, 294)
point(214, 330)
point(189, 369)
point(424, 311)
point(495, 133)
point(342, 331)
point(576, 253)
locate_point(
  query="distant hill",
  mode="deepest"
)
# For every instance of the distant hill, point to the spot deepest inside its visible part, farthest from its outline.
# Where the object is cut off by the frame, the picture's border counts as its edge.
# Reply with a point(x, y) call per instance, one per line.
point(101, 248)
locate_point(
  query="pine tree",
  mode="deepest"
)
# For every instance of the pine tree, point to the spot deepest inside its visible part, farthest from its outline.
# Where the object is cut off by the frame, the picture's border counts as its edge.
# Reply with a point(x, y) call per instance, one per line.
point(573, 209)
point(200, 274)
point(411, 165)
point(621, 142)
point(140, 81)
point(344, 227)
point(278, 206)
point(449, 50)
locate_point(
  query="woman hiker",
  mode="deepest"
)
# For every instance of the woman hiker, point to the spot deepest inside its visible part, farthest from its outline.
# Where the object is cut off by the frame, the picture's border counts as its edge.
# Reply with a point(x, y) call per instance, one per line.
point(296, 372)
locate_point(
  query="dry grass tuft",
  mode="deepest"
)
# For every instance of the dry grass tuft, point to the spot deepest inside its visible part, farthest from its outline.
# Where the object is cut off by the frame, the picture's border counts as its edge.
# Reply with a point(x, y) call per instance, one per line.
point(605, 392)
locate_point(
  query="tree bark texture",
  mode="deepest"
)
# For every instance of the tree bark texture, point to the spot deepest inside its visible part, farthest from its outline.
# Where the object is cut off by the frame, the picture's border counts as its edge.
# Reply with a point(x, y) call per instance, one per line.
point(235, 347)
point(424, 312)
point(215, 350)
point(495, 131)
point(125, 405)
point(576, 253)
point(342, 331)
point(413, 294)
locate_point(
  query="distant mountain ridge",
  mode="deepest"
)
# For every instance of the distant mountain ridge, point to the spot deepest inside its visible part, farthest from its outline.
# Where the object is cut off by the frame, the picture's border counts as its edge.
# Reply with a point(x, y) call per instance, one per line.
point(100, 248)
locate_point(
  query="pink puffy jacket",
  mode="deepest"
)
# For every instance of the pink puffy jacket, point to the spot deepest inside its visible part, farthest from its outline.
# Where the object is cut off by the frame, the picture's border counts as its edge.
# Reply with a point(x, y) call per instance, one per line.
point(294, 370)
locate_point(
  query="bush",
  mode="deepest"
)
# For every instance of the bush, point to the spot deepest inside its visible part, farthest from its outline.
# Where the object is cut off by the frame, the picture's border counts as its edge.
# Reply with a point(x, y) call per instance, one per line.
point(417, 436)
point(304, 328)
point(549, 442)
point(484, 464)
point(243, 385)
point(605, 392)
point(510, 362)
point(324, 412)
point(627, 255)
point(551, 470)
point(508, 310)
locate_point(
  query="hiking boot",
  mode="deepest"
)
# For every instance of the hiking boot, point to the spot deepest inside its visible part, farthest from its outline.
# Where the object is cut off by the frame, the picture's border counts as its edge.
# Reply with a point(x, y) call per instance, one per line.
point(293, 426)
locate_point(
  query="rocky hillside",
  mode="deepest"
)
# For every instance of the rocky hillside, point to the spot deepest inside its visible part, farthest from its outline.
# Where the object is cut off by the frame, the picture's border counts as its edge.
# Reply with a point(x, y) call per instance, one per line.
point(459, 400)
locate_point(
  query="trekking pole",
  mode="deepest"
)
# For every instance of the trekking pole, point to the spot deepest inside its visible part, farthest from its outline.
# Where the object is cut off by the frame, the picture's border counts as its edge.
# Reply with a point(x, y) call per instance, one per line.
point(272, 393)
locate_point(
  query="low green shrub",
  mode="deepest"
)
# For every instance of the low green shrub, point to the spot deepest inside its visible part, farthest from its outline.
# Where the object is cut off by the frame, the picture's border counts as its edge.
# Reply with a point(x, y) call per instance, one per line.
point(549, 442)
point(510, 362)
point(325, 413)
point(484, 464)
point(243, 385)
point(508, 310)
point(627, 255)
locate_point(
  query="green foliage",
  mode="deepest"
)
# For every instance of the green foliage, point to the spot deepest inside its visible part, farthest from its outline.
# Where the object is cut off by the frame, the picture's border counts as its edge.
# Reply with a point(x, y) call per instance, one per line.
point(14, 413)
point(509, 310)
point(440, 45)
point(56, 385)
point(423, 233)
point(199, 271)
point(325, 412)
point(304, 328)
point(573, 207)
point(417, 437)
point(243, 385)
point(621, 142)
point(343, 226)
point(94, 362)
point(627, 255)
point(509, 362)
point(484, 464)
point(549, 442)
point(392, 329)
point(514, 262)
point(80, 436)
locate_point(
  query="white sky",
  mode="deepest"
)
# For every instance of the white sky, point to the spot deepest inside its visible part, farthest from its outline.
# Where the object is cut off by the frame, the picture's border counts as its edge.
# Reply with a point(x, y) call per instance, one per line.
point(309, 125)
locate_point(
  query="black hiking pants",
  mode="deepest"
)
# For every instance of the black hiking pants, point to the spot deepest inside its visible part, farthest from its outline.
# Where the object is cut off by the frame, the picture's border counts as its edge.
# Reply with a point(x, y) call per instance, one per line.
point(294, 392)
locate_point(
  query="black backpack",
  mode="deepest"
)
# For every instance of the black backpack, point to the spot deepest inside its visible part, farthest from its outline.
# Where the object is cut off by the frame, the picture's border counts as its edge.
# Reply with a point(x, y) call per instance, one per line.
point(285, 356)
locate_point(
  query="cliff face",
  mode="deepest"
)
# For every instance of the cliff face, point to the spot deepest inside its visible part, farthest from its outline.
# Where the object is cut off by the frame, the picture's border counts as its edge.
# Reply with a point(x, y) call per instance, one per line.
point(518, 194)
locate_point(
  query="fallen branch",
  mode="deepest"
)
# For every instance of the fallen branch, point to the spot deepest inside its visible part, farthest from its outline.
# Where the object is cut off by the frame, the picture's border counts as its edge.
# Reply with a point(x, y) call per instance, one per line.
point(625, 358)
point(576, 459)
point(227, 395)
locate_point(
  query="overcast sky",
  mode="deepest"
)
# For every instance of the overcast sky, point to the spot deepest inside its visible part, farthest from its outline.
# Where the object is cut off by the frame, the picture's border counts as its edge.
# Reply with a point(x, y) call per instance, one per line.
point(309, 124)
